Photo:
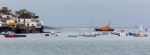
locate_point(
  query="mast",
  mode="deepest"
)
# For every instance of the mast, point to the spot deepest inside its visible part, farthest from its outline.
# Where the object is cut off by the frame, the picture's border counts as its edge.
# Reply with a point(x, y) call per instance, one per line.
point(91, 24)
point(141, 28)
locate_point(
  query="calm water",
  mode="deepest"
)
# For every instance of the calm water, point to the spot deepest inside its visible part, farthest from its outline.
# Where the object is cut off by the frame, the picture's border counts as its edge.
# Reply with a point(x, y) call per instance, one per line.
point(102, 45)
point(75, 46)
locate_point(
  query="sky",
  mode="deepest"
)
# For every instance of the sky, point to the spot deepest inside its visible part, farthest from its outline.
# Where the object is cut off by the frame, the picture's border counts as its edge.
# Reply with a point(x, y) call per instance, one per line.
point(86, 13)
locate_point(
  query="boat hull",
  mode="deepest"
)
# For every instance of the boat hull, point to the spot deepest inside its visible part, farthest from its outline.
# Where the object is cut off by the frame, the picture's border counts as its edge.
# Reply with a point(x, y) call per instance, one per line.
point(104, 30)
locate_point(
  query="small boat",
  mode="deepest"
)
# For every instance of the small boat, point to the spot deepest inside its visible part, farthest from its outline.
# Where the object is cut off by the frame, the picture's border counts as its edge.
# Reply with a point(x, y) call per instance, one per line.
point(72, 35)
point(92, 34)
point(10, 34)
point(140, 35)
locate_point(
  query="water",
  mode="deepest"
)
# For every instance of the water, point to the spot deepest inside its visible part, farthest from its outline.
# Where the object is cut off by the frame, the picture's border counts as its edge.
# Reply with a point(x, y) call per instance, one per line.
point(102, 45)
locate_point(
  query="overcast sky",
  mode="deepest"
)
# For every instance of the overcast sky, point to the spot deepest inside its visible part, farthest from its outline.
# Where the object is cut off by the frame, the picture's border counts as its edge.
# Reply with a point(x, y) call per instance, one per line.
point(83, 13)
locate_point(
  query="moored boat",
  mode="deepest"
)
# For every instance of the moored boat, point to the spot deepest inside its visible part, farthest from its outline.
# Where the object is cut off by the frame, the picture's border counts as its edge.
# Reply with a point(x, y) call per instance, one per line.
point(104, 28)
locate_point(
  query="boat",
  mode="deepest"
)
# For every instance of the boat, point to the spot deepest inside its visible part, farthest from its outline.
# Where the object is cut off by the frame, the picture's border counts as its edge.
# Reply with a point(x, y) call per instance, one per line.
point(104, 28)
point(139, 33)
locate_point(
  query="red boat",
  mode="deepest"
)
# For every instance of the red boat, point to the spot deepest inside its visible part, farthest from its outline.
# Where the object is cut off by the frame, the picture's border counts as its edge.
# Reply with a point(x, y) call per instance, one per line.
point(10, 36)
